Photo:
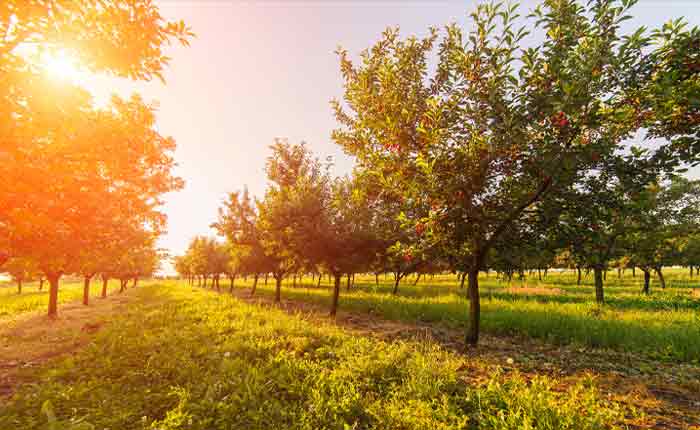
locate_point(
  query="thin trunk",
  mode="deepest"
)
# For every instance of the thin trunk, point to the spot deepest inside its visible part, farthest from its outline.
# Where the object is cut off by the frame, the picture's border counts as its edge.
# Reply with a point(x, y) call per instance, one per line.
point(417, 279)
point(634, 272)
point(598, 273)
point(662, 281)
point(278, 288)
point(19, 286)
point(266, 275)
point(647, 278)
point(53, 295)
point(86, 290)
point(472, 337)
point(605, 275)
point(397, 279)
point(539, 274)
point(255, 284)
point(376, 279)
point(233, 279)
point(691, 272)
point(336, 295)
point(216, 279)
point(347, 283)
point(461, 282)
point(41, 284)
point(578, 280)
point(135, 280)
point(104, 287)
point(294, 281)
point(318, 285)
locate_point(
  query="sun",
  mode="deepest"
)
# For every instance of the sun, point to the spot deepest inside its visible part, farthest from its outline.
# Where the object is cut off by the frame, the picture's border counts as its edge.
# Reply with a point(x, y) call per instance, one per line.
point(62, 66)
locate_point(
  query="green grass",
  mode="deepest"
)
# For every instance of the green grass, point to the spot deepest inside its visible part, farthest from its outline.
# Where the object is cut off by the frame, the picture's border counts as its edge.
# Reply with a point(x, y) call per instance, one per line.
point(178, 358)
point(664, 325)
point(31, 299)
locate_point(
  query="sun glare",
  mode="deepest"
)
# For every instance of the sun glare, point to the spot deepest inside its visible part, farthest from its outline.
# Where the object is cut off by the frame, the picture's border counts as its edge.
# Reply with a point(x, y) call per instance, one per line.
point(61, 65)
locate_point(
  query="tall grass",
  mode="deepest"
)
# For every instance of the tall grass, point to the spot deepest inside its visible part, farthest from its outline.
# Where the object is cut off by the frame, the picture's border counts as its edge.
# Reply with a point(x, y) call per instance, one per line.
point(206, 361)
point(664, 325)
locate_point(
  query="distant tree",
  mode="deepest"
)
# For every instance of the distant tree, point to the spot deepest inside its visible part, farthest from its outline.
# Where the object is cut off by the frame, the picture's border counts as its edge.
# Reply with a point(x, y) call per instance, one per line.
point(21, 270)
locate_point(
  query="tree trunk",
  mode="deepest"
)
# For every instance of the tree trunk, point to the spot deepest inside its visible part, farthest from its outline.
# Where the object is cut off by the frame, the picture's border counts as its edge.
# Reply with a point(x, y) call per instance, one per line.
point(539, 274)
point(472, 337)
point(417, 279)
point(216, 279)
point(278, 288)
point(318, 285)
point(647, 278)
point(605, 275)
point(397, 279)
point(461, 282)
point(255, 284)
point(53, 295)
point(634, 272)
point(294, 281)
point(266, 275)
point(376, 279)
point(86, 290)
point(578, 280)
point(347, 283)
point(19, 286)
point(135, 280)
point(598, 273)
point(104, 287)
point(691, 272)
point(336, 294)
point(233, 279)
point(662, 281)
point(41, 284)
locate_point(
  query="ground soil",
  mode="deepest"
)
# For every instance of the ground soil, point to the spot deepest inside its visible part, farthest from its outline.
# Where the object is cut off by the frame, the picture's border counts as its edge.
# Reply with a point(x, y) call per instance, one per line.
point(30, 339)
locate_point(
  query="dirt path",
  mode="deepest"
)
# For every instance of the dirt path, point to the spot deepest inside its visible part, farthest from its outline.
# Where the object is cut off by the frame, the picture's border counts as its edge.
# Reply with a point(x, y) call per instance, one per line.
point(668, 394)
point(31, 339)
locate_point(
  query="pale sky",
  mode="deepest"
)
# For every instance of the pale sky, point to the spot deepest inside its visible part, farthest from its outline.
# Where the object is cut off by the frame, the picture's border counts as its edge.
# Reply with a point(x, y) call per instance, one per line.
point(259, 70)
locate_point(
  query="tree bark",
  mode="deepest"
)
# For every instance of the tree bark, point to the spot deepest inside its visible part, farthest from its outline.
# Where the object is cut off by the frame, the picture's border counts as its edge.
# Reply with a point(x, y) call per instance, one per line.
point(104, 287)
point(472, 337)
point(233, 279)
point(647, 278)
point(397, 279)
point(19, 286)
point(461, 282)
point(336, 295)
point(578, 279)
point(53, 294)
point(278, 288)
point(599, 296)
point(86, 290)
point(662, 281)
point(255, 284)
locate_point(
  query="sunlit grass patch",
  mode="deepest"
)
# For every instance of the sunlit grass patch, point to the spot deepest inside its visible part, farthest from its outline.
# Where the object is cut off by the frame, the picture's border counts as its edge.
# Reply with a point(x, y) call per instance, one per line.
point(207, 361)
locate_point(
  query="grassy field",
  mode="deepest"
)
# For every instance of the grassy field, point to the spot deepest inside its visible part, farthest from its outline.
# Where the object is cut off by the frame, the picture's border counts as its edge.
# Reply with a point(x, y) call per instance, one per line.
point(32, 299)
point(664, 325)
point(178, 358)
